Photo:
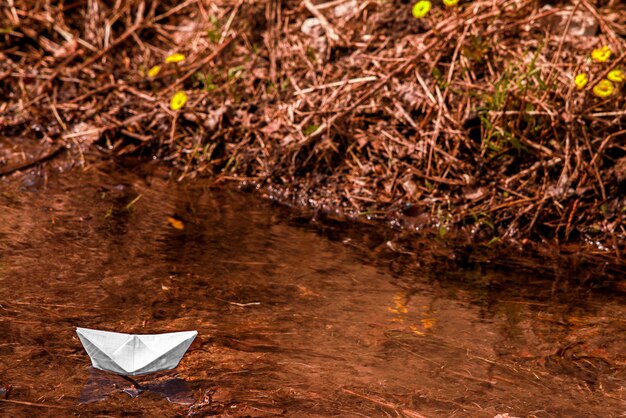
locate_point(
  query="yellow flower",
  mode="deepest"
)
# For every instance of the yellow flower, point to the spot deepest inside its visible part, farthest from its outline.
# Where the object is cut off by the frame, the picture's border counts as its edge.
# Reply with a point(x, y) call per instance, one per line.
point(601, 54)
point(616, 76)
point(176, 57)
point(178, 100)
point(450, 3)
point(581, 81)
point(154, 71)
point(421, 8)
point(603, 89)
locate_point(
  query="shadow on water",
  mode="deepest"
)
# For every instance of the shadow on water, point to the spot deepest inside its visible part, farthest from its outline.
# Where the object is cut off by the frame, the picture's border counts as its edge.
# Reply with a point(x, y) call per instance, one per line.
point(101, 384)
point(294, 318)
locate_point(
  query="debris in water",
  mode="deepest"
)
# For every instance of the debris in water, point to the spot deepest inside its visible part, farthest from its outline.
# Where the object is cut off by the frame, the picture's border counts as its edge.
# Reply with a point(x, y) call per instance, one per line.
point(5, 390)
point(176, 223)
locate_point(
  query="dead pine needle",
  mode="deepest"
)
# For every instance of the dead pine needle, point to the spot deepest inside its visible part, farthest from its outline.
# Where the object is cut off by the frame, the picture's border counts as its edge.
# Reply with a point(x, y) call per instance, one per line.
point(437, 119)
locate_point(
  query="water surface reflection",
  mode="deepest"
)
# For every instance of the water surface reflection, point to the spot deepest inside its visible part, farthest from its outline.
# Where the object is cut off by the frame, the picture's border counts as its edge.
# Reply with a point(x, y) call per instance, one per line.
point(291, 321)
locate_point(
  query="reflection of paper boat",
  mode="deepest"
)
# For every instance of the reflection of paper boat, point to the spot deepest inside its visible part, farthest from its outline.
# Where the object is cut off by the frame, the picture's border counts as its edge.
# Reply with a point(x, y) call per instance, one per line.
point(130, 355)
point(101, 384)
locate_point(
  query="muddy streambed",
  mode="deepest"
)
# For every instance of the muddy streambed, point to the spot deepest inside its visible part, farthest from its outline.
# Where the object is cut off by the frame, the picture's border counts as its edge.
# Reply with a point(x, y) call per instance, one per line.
point(293, 319)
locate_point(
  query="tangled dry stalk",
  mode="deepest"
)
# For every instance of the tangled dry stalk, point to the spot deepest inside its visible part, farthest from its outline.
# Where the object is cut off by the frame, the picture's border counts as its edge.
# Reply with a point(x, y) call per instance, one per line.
point(466, 118)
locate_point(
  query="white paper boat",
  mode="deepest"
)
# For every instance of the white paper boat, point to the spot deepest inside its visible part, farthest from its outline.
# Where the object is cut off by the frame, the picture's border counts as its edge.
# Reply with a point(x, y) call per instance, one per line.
point(130, 355)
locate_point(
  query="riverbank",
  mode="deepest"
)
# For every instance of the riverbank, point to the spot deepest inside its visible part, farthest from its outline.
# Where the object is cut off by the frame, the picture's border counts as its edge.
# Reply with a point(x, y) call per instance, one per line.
point(464, 123)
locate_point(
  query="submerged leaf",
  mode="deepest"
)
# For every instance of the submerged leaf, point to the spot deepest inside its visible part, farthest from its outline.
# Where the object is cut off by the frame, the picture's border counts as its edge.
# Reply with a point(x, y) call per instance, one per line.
point(176, 223)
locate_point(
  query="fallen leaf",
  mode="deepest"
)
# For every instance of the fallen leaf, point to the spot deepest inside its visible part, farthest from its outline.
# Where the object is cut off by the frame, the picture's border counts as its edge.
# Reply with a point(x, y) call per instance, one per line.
point(427, 323)
point(178, 224)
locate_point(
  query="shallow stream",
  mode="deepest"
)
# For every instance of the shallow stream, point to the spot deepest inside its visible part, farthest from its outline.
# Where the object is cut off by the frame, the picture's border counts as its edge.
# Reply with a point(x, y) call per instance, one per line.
point(294, 319)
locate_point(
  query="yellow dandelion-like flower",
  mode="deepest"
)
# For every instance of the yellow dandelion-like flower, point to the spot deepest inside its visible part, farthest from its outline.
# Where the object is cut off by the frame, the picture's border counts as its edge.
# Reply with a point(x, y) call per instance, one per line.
point(178, 100)
point(421, 8)
point(176, 57)
point(450, 3)
point(154, 71)
point(581, 81)
point(601, 54)
point(616, 76)
point(603, 89)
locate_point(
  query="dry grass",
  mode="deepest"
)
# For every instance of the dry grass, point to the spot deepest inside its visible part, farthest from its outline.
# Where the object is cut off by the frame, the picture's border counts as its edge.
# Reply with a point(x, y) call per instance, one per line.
point(465, 120)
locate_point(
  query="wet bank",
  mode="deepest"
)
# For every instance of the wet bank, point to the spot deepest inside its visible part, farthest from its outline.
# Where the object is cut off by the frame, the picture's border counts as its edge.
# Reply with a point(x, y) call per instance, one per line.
point(294, 318)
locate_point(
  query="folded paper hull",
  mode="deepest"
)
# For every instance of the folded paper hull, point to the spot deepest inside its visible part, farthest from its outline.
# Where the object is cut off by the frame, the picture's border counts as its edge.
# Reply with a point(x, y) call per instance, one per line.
point(131, 355)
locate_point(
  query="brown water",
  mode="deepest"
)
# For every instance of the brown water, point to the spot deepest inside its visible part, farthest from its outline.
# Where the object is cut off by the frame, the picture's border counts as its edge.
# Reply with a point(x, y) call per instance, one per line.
point(293, 319)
